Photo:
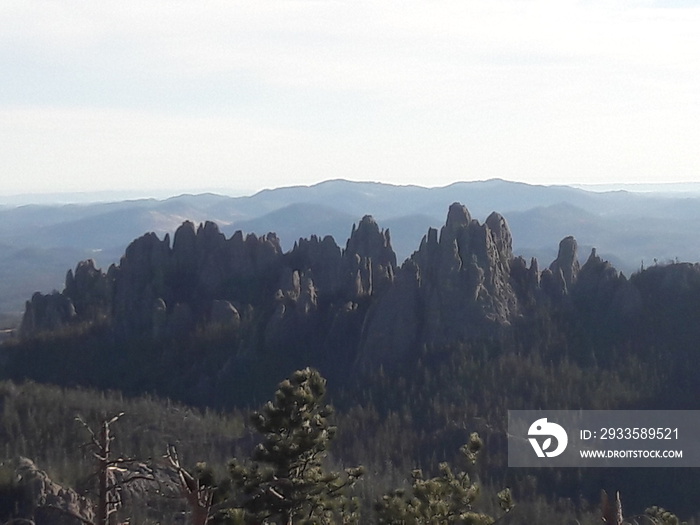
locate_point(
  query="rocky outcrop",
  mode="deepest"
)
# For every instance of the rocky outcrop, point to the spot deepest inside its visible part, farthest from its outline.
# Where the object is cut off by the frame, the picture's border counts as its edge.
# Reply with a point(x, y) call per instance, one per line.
point(526, 283)
point(563, 271)
point(368, 261)
point(462, 282)
point(138, 283)
point(320, 260)
point(324, 292)
point(90, 291)
point(455, 287)
point(394, 324)
point(295, 320)
point(202, 267)
point(207, 279)
point(46, 502)
point(46, 313)
point(465, 276)
point(319, 301)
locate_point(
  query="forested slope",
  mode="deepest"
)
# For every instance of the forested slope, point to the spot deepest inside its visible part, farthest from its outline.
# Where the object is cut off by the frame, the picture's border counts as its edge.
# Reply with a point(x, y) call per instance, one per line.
point(417, 355)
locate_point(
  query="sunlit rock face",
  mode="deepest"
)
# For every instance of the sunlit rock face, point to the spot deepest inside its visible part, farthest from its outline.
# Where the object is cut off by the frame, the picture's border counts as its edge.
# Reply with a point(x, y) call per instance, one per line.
point(455, 287)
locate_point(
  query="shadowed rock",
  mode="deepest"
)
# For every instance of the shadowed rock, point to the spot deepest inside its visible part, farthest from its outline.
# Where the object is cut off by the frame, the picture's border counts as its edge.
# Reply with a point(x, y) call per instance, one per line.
point(565, 267)
point(368, 261)
point(90, 290)
point(47, 502)
point(454, 288)
point(318, 301)
point(224, 314)
point(45, 313)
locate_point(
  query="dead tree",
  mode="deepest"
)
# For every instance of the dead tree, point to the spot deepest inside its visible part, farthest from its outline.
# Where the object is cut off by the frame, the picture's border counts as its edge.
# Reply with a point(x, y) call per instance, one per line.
point(612, 512)
point(199, 497)
point(109, 485)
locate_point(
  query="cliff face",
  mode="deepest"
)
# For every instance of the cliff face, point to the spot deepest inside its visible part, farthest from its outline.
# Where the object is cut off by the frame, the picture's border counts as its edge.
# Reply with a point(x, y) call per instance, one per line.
point(455, 287)
point(312, 294)
point(350, 305)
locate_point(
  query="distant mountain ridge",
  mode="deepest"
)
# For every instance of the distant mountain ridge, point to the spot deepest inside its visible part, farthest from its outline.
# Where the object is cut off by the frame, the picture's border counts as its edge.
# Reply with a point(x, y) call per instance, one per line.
point(630, 229)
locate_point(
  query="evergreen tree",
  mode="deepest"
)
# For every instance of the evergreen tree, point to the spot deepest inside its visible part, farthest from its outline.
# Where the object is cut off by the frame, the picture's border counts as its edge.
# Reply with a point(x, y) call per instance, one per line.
point(287, 481)
point(661, 516)
point(444, 499)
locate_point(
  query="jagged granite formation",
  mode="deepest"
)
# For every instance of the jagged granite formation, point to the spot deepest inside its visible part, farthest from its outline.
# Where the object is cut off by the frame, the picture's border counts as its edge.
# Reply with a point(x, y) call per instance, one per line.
point(559, 279)
point(244, 285)
point(47, 313)
point(350, 305)
point(455, 287)
point(44, 501)
point(565, 267)
point(87, 296)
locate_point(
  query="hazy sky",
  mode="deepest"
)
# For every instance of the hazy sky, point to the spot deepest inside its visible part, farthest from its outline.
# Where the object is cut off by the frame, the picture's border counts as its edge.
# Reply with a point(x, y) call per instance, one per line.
point(242, 95)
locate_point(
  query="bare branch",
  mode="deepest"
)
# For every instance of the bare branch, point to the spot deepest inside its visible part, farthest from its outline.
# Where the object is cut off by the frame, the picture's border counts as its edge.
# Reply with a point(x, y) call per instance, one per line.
point(93, 438)
point(120, 461)
point(120, 414)
point(276, 494)
point(198, 497)
point(125, 482)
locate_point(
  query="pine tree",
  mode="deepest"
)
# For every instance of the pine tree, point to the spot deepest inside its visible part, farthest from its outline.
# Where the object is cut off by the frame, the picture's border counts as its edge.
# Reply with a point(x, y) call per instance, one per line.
point(287, 481)
point(447, 498)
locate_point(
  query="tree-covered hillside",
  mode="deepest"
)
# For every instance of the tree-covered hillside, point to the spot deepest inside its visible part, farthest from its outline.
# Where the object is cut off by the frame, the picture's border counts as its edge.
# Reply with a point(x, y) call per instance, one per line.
point(417, 356)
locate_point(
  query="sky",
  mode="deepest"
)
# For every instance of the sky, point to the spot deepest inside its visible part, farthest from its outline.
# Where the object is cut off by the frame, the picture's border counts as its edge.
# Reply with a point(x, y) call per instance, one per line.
point(237, 96)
